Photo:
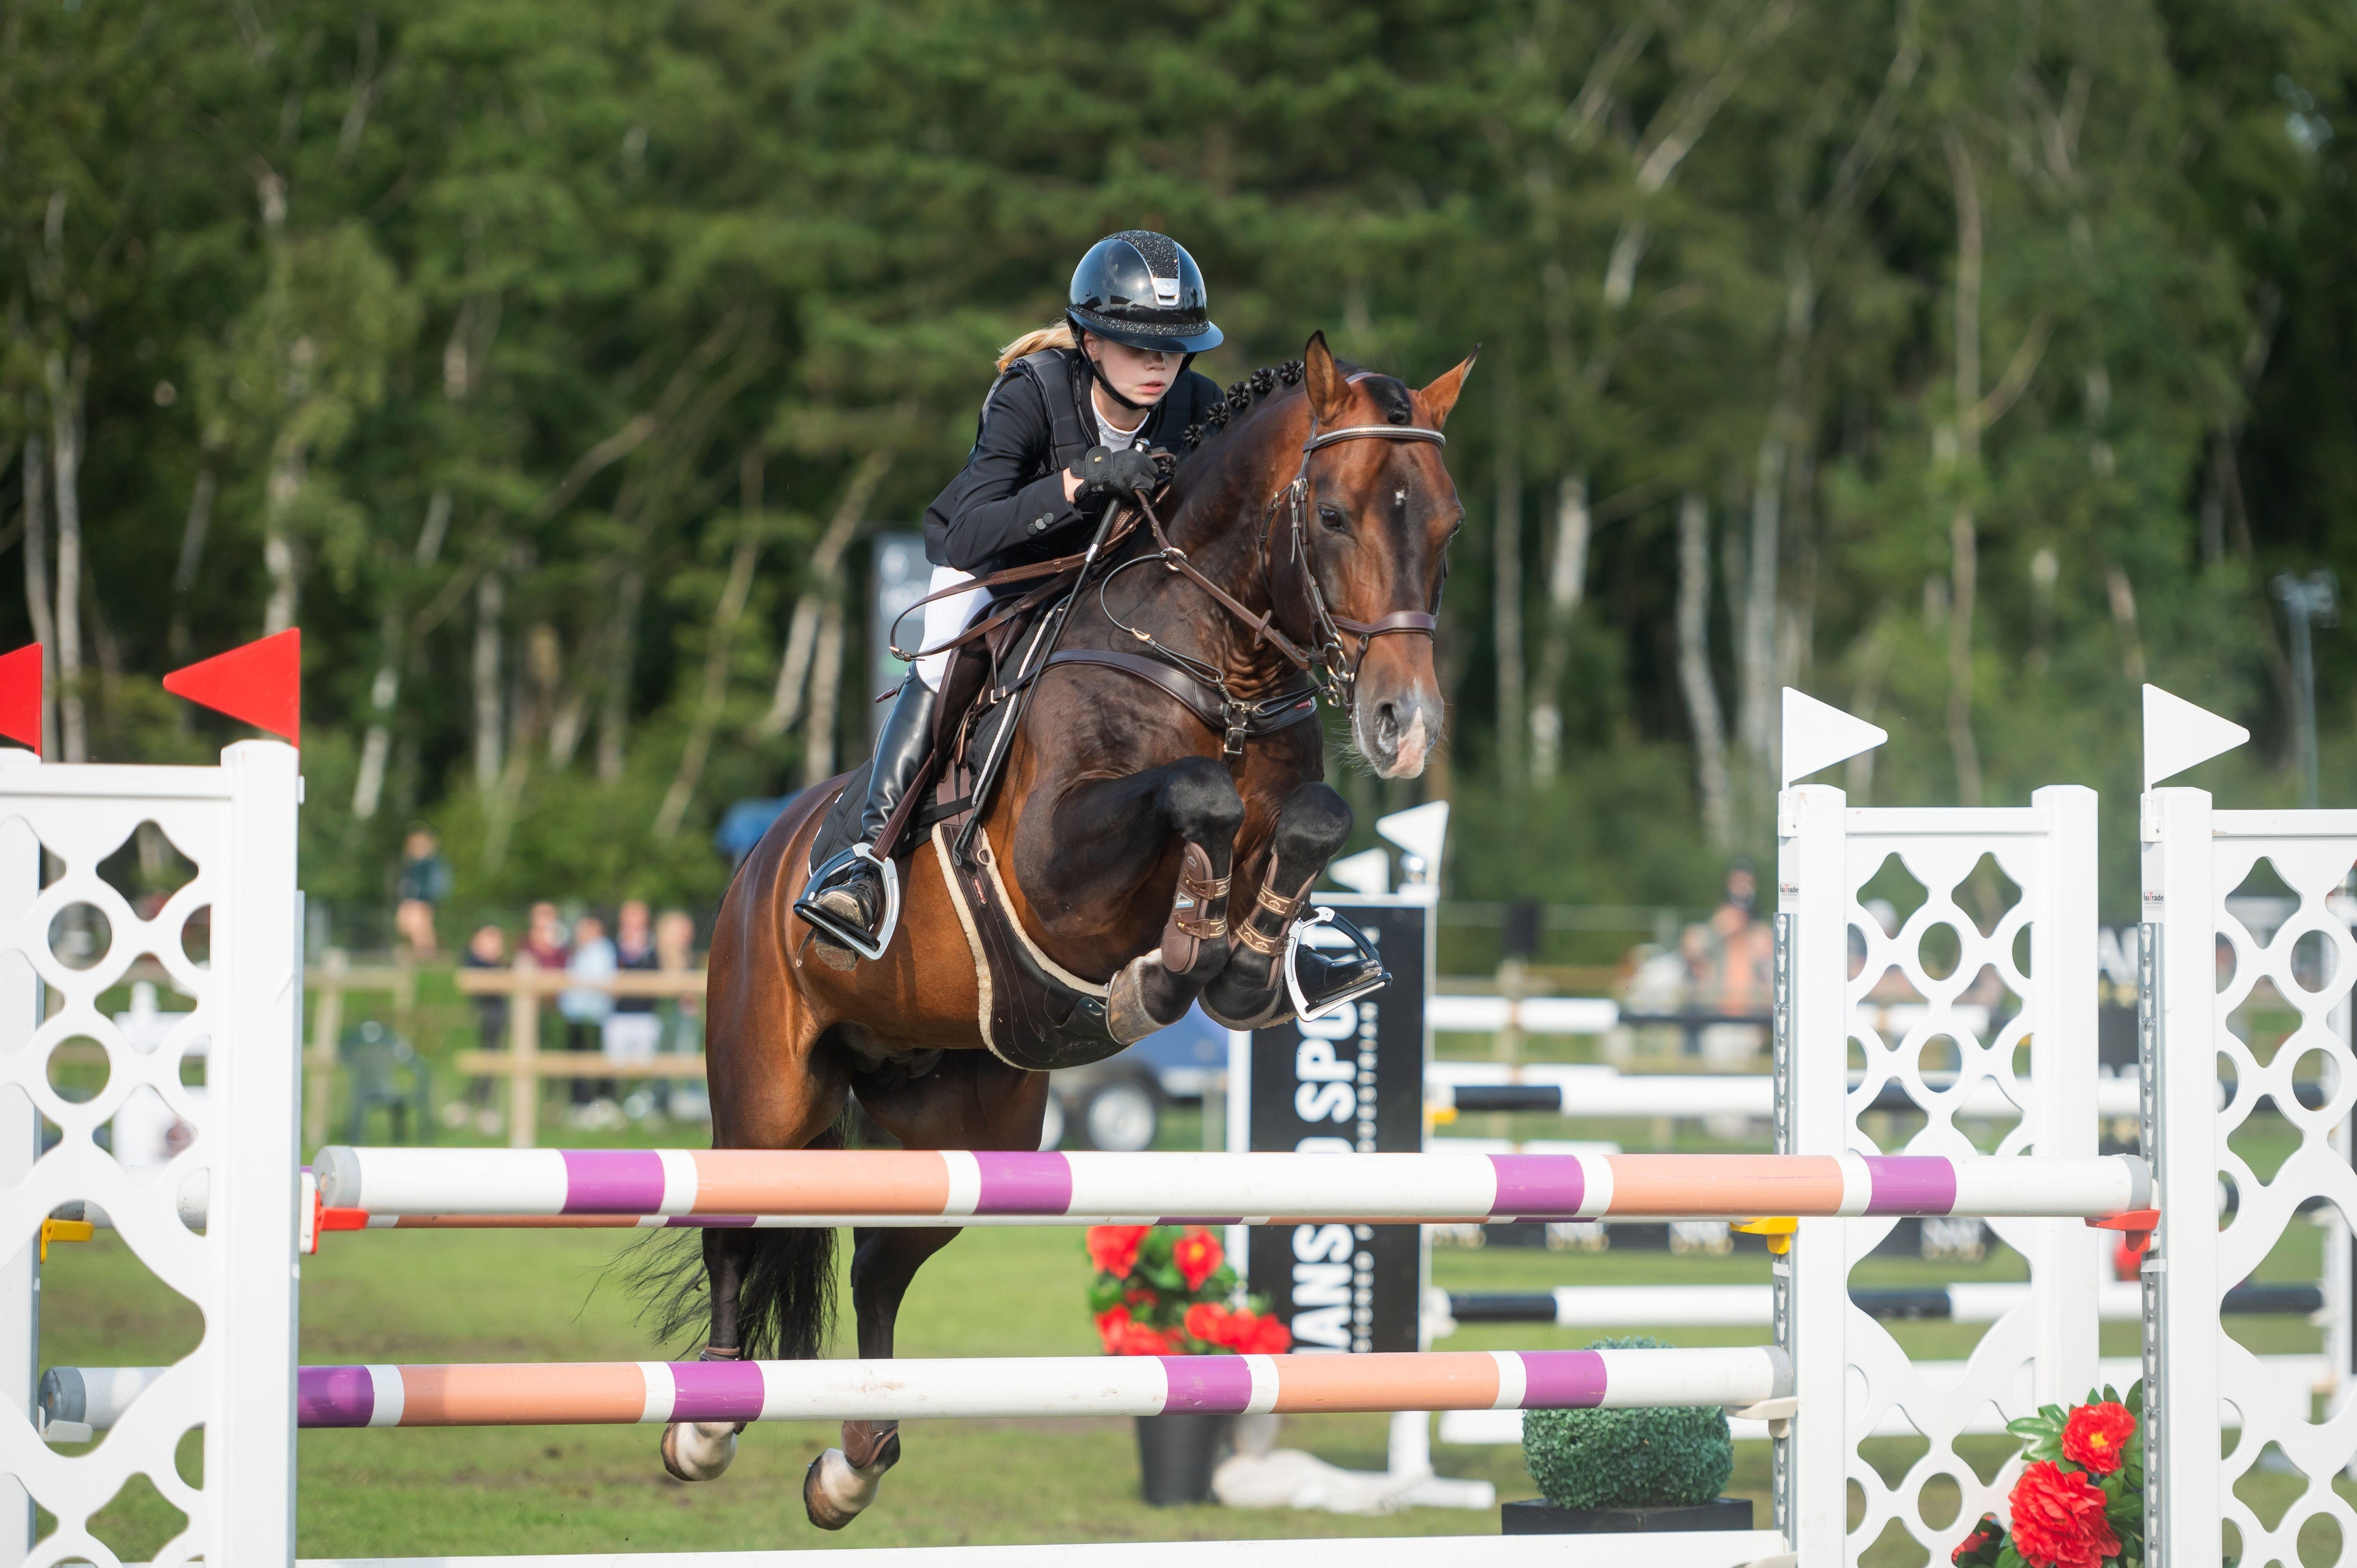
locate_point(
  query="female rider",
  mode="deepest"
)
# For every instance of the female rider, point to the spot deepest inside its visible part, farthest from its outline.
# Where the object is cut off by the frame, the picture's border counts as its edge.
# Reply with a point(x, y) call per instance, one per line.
point(1065, 430)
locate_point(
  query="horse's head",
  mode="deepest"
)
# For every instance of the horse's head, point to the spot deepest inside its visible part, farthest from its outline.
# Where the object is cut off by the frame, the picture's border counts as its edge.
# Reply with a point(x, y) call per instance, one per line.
point(1375, 516)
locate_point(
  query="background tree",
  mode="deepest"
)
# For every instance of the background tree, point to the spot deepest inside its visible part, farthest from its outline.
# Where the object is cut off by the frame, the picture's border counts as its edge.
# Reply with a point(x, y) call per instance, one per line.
point(554, 367)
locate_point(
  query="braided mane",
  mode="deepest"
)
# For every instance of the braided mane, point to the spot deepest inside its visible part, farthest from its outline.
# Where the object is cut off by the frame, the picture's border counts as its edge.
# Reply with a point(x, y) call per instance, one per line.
point(1259, 384)
point(1389, 393)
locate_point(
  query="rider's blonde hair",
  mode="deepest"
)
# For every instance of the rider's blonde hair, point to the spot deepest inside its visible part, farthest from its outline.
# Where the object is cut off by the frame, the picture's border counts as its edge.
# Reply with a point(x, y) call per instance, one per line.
point(1058, 336)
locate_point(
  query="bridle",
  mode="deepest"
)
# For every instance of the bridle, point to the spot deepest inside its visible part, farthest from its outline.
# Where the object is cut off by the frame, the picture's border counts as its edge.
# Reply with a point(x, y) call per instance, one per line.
point(1336, 680)
point(1332, 668)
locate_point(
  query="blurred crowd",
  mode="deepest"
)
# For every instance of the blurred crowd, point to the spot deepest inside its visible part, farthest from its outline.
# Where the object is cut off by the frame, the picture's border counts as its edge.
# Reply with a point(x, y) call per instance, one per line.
point(629, 1032)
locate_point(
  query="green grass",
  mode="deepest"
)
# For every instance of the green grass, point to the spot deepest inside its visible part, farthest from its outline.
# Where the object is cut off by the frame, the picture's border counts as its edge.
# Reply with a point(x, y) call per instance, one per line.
point(538, 1296)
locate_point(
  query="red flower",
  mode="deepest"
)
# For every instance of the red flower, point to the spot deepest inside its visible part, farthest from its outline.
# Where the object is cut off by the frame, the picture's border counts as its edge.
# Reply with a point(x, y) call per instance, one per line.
point(1137, 1339)
point(1210, 1321)
point(1196, 1253)
point(2057, 1519)
point(2097, 1435)
point(1979, 1550)
point(1261, 1335)
point(1113, 1248)
point(1111, 1323)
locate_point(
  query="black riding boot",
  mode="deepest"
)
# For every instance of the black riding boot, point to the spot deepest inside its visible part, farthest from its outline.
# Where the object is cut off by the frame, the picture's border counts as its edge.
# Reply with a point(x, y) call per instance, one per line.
point(854, 897)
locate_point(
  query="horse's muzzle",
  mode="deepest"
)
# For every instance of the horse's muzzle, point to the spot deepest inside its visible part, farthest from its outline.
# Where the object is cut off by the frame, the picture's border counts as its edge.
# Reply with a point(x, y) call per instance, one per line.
point(1397, 731)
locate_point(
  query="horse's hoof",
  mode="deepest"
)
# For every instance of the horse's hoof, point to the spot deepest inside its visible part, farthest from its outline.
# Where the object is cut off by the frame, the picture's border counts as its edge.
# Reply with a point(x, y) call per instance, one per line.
point(834, 1490)
point(698, 1450)
point(833, 954)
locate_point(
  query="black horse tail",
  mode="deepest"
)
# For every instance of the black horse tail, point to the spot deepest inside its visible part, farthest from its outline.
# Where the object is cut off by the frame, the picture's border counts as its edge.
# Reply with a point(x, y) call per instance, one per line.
point(785, 1294)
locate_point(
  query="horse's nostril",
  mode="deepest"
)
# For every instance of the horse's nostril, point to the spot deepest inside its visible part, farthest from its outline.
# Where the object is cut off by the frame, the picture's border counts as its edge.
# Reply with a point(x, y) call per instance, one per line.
point(1387, 725)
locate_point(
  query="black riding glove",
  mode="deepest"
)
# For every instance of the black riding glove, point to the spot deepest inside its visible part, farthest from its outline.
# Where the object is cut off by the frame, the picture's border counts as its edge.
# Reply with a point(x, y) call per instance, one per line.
point(1106, 475)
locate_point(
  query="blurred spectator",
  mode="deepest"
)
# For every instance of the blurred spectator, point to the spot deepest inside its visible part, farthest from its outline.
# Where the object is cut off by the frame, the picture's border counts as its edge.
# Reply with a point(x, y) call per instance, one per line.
point(1731, 958)
point(424, 883)
point(682, 1017)
point(586, 1009)
point(544, 938)
point(633, 1032)
point(486, 949)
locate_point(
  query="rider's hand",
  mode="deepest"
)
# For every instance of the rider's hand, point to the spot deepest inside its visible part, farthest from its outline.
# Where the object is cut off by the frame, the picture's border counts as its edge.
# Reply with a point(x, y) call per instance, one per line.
point(1084, 472)
point(1107, 475)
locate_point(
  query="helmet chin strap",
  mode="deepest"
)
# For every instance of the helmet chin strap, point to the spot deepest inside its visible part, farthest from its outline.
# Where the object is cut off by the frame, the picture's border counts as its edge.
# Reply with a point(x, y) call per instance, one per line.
point(1096, 373)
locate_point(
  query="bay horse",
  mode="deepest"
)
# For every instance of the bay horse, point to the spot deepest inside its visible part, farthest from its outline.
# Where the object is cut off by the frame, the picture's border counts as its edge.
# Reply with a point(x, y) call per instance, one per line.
point(1129, 826)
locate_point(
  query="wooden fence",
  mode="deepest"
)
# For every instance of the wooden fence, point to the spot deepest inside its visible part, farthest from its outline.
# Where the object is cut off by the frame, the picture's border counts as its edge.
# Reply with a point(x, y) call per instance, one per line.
point(523, 1064)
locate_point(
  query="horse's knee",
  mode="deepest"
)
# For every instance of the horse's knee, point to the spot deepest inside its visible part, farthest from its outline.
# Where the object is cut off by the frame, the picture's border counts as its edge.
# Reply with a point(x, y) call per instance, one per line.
point(1314, 822)
point(1201, 802)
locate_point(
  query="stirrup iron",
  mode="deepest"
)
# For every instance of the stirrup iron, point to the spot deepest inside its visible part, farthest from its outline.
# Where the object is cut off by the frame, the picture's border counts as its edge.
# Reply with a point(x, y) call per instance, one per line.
point(842, 931)
point(1372, 975)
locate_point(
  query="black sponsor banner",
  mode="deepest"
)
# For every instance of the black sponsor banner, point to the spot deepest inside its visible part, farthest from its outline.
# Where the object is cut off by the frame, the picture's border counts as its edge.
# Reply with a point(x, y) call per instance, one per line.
point(1350, 1082)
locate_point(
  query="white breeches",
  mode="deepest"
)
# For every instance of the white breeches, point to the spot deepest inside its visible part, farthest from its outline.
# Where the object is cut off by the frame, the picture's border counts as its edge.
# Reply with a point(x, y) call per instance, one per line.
point(944, 618)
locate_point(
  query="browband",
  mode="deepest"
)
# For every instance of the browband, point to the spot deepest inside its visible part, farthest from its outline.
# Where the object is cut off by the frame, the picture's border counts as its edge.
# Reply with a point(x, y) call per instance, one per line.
point(1387, 432)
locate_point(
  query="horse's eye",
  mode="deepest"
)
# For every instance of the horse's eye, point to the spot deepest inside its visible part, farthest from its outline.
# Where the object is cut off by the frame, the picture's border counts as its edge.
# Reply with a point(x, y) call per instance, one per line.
point(1332, 518)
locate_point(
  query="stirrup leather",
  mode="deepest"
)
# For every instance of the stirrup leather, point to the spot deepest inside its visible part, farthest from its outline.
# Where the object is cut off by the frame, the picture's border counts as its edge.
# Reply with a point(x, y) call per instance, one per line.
point(1372, 975)
point(842, 930)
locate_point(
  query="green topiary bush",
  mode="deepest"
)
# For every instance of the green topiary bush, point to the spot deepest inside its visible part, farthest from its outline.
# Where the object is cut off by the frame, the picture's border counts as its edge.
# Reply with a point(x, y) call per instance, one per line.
point(1628, 1459)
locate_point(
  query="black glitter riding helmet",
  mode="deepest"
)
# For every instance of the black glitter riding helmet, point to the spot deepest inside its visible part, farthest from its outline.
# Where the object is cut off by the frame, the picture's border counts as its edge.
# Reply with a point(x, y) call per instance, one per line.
point(1141, 288)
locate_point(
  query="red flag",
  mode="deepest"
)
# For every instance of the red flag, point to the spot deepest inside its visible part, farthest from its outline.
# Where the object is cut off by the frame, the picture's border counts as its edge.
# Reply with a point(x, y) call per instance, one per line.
point(261, 682)
point(20, 696)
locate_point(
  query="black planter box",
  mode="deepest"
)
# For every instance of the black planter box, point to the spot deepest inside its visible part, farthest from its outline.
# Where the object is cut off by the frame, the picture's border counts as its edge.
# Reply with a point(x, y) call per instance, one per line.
point(1540, 1518)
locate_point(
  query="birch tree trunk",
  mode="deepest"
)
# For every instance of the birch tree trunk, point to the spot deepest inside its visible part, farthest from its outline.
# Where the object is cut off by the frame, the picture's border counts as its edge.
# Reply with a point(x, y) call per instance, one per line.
point(1566, 586)
point(1694, 670)
point(376, 749)
point(1963, 536)
point(288, 468)
point(1506, 591)
point(1756, 662)
point(623, 652)
point(1873, 662)
point(36, 583)
point(491, 607)
point(192, 554)
point(733, 595)
point(824, 572)
point(66, 384)
point(826, 690)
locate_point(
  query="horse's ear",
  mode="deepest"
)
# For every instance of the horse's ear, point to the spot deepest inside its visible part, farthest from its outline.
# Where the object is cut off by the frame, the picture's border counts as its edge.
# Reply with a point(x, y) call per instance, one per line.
point(1441, 396)
point(1323, 379)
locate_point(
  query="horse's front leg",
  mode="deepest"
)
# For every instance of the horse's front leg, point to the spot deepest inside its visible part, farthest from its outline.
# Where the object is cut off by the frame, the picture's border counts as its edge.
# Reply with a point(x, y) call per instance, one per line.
point(1313, 822)
point(1105, 839)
